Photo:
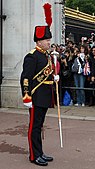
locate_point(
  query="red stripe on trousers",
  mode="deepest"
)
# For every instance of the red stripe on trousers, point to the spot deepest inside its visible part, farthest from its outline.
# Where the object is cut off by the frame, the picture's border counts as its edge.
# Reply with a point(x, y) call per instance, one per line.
point(31, 110)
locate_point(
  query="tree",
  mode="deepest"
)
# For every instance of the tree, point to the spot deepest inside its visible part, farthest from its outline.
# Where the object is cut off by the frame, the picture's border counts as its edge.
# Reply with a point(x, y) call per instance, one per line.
point(86, 6)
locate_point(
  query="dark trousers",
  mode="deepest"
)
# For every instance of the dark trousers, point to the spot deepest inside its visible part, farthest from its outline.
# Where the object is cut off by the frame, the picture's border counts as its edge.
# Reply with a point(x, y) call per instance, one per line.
point(37, 117)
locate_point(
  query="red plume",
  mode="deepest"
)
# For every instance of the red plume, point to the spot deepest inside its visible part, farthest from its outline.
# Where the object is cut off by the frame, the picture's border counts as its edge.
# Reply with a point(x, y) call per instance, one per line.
point(47, 10)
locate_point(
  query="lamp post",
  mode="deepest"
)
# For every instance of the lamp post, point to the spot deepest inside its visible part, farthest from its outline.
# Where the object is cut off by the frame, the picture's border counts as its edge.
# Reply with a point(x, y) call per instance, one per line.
point(62, 20)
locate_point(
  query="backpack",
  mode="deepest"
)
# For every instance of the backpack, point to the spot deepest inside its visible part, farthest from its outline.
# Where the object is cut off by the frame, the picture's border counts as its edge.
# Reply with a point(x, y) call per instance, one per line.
point(75, 66)
point(66, 98)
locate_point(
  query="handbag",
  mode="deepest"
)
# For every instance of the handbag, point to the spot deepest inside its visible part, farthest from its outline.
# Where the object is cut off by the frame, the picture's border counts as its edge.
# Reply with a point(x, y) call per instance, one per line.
point(86, 70)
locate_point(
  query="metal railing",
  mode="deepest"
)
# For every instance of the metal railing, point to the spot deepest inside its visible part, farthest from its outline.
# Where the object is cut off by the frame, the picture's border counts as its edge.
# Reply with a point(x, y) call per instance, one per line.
point(79, 88)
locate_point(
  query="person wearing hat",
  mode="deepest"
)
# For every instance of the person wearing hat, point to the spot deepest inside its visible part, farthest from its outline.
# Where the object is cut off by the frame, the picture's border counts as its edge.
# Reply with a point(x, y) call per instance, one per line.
point(36, 84)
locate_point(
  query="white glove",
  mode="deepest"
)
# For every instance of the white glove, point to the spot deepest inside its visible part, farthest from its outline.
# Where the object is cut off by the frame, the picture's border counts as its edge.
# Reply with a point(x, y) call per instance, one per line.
point(56, 77)
point(29, 104)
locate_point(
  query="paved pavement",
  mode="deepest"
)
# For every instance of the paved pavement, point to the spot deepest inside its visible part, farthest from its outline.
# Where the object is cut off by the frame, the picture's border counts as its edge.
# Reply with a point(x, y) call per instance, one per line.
point(78, 128)
point(68, 112)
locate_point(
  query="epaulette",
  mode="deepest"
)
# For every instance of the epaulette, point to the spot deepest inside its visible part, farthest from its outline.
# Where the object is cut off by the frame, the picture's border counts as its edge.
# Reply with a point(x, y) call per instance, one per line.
point(32, 51)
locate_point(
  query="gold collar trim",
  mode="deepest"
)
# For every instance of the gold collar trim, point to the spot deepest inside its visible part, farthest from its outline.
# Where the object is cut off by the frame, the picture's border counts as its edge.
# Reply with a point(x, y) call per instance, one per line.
point(40, 50)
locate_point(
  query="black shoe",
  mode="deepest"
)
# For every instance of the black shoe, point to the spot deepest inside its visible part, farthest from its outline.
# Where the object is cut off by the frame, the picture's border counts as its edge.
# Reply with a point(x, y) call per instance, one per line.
point(40, 161)
point(47, 158)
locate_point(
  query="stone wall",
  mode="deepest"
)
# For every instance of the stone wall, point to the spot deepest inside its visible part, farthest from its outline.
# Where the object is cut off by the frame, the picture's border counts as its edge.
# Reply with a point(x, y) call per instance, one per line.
point(18, 28)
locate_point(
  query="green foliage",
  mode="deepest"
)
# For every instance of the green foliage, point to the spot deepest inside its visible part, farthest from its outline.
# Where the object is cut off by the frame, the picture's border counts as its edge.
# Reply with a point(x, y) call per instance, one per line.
point(86, 6)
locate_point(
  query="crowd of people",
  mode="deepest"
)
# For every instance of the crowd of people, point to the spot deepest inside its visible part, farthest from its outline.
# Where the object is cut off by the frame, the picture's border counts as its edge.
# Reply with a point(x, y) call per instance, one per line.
point(77, 70)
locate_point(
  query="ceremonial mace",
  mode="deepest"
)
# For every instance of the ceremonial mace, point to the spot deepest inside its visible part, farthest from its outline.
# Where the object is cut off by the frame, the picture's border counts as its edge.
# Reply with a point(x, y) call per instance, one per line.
point(55, 54)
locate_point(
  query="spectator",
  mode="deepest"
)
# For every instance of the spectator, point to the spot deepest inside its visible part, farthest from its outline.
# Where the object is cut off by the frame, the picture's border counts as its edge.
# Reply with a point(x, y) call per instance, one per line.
point(66, 74)
point(54, 50)
point(92, 84)
point(79, 78)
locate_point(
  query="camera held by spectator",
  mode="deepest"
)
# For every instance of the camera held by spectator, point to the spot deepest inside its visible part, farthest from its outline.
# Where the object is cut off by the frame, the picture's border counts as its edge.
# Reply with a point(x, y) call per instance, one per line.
point(63, 56)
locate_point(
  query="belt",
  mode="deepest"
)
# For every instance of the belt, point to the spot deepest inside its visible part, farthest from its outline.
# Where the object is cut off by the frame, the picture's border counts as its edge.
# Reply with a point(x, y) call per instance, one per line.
point(48, 82)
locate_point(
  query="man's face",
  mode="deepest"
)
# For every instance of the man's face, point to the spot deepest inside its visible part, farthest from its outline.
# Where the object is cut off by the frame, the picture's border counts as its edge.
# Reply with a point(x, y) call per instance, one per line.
point(93, 51)
point(44, 44)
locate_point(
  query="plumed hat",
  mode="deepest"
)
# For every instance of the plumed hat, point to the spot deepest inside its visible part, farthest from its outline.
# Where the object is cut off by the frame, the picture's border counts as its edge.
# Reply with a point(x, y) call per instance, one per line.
point(43, 32)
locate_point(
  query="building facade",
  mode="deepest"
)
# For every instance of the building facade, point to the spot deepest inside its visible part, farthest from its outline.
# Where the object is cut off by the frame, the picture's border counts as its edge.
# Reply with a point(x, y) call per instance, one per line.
point(17, 39)
point(78, 24)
